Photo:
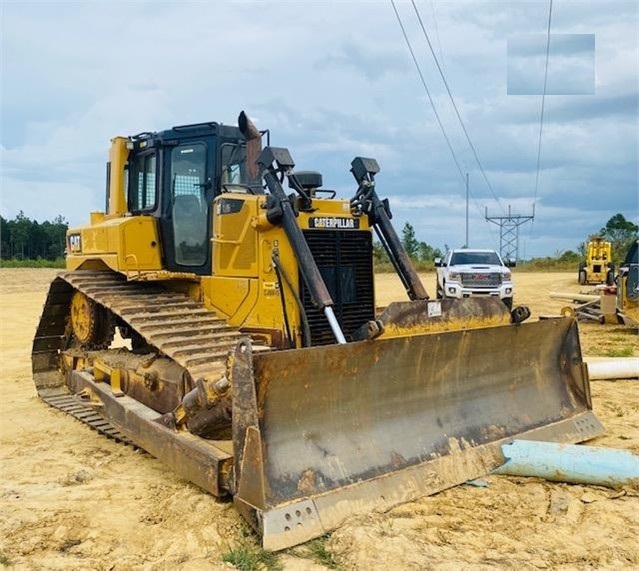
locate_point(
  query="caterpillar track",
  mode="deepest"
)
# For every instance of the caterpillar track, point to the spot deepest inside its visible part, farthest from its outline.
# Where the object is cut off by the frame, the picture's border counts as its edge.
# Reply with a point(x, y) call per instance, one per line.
point(172, 323)
point(85, 413)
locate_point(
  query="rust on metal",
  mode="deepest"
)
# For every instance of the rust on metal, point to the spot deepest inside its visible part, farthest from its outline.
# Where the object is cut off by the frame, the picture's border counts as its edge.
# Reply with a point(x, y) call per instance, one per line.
point(409, 318)
point(206, 463)
point(374, 423)
point(245, 413)
point(253, 146)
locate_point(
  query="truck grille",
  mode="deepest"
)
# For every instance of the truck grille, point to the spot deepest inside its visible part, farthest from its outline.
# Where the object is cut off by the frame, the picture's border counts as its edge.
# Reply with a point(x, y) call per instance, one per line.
point(345, 260)
point(479, 279)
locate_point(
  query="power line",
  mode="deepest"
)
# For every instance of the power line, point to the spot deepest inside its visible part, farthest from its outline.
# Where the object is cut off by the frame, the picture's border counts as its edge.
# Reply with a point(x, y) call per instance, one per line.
point(541, 120)
point(478, 206)
point(432, 103)
point(452, 99)
point(439, 44)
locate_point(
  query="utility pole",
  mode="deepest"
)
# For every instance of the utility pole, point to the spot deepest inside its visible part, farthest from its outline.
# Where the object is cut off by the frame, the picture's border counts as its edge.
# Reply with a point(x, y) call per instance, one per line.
point(467, 243)
point(509, 232)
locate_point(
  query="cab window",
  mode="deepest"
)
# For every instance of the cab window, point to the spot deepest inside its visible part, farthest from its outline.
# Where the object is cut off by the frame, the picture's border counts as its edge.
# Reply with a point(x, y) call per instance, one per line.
point(141, 184)
point(234, 164)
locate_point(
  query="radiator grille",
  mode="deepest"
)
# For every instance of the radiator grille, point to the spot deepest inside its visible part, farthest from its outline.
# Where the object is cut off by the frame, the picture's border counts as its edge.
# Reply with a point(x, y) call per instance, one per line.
point(345, 260)
point(481, 279)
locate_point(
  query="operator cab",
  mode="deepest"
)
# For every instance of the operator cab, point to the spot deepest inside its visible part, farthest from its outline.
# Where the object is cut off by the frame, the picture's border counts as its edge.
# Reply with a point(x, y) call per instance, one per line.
point(175, 175)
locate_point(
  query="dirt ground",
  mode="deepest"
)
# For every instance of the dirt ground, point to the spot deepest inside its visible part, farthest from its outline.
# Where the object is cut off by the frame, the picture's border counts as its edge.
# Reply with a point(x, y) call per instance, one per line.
point(71, 499)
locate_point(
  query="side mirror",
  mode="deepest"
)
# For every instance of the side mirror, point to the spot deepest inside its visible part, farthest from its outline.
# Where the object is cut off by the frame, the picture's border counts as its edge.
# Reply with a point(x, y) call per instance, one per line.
point(510, 263)
point(438, 263)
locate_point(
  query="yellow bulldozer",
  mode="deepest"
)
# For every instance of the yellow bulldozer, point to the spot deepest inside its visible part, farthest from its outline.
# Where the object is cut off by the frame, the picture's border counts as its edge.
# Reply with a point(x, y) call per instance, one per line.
point(230, 329)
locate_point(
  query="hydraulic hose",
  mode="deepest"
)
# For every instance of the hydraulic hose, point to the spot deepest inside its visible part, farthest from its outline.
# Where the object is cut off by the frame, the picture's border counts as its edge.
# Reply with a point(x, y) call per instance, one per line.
point(306, 329)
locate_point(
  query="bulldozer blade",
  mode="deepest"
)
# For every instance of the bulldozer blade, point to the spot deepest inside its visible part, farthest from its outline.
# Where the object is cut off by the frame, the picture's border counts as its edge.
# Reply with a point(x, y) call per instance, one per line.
point(323, 433)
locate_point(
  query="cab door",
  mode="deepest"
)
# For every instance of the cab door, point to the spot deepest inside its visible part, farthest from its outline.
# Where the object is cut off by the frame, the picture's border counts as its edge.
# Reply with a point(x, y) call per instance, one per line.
point(188, 195)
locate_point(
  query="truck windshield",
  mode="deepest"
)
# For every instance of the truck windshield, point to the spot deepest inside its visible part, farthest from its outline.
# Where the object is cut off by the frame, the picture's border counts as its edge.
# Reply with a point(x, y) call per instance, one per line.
point(483, 258)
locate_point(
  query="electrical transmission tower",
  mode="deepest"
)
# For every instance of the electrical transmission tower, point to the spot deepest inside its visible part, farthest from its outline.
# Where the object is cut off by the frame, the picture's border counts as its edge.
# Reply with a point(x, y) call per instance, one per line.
point(509, 232)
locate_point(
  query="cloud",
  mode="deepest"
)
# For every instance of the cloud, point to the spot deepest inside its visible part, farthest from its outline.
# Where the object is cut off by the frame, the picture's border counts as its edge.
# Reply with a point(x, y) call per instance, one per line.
point(45, 200)
point(570, 68)
point(329, 85)
point(368, 60)
point(534, 45)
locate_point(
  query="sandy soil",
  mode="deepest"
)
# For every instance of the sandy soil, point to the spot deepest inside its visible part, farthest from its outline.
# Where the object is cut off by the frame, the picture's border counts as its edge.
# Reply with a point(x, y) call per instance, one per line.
point(70, 499)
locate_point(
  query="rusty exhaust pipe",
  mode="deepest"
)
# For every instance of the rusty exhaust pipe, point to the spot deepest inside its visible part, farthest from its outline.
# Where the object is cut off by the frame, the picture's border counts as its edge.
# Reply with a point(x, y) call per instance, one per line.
point(253, 144)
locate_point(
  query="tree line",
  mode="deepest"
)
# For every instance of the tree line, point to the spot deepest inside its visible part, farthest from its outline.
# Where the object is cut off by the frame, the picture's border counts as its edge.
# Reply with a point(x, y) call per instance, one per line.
point(26, 239)
point(418, 251)
point(619, 231)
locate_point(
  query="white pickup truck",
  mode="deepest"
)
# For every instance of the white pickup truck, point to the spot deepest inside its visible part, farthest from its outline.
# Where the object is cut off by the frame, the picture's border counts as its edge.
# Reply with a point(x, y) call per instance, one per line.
point(468, 272)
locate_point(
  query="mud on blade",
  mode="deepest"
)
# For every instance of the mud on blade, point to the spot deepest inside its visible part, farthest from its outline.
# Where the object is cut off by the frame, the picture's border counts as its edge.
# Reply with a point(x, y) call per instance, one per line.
point(328, 432)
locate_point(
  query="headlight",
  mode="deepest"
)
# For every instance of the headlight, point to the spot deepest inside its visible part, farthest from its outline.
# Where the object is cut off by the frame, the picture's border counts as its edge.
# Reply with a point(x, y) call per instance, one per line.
point(453, 276)
point(507, 276)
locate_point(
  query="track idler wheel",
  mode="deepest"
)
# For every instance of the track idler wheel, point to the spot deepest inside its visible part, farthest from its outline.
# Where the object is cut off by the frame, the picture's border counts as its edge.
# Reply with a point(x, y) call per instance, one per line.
point(91, 324)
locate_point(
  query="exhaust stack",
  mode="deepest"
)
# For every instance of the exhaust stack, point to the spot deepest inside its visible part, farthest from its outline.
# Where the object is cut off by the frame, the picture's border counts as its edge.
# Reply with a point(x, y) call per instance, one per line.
point(253, 146)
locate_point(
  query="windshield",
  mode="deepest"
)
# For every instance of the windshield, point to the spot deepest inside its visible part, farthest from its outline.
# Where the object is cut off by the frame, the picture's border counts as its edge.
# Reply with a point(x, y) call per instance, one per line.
point(234, 164)
point(235, 171)
point(483, 258)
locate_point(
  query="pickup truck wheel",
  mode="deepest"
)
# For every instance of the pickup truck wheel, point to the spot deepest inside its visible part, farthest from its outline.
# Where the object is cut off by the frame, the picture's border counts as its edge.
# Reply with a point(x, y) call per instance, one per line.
point(610, 278)
point(438, 291)
point(508, 302)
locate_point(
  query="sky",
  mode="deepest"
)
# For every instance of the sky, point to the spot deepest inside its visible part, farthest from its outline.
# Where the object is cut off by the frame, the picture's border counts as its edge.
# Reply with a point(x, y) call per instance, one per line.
point(335, 80)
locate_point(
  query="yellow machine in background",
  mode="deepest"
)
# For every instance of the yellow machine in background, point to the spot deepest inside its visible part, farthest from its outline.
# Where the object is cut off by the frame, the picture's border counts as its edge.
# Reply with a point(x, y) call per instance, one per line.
point(628, 287)
point(598, 267)
point(256, 364)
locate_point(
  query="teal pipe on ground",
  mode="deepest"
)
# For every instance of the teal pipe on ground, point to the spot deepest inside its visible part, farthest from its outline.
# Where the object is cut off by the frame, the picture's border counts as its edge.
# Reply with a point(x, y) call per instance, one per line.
point(570, 463)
